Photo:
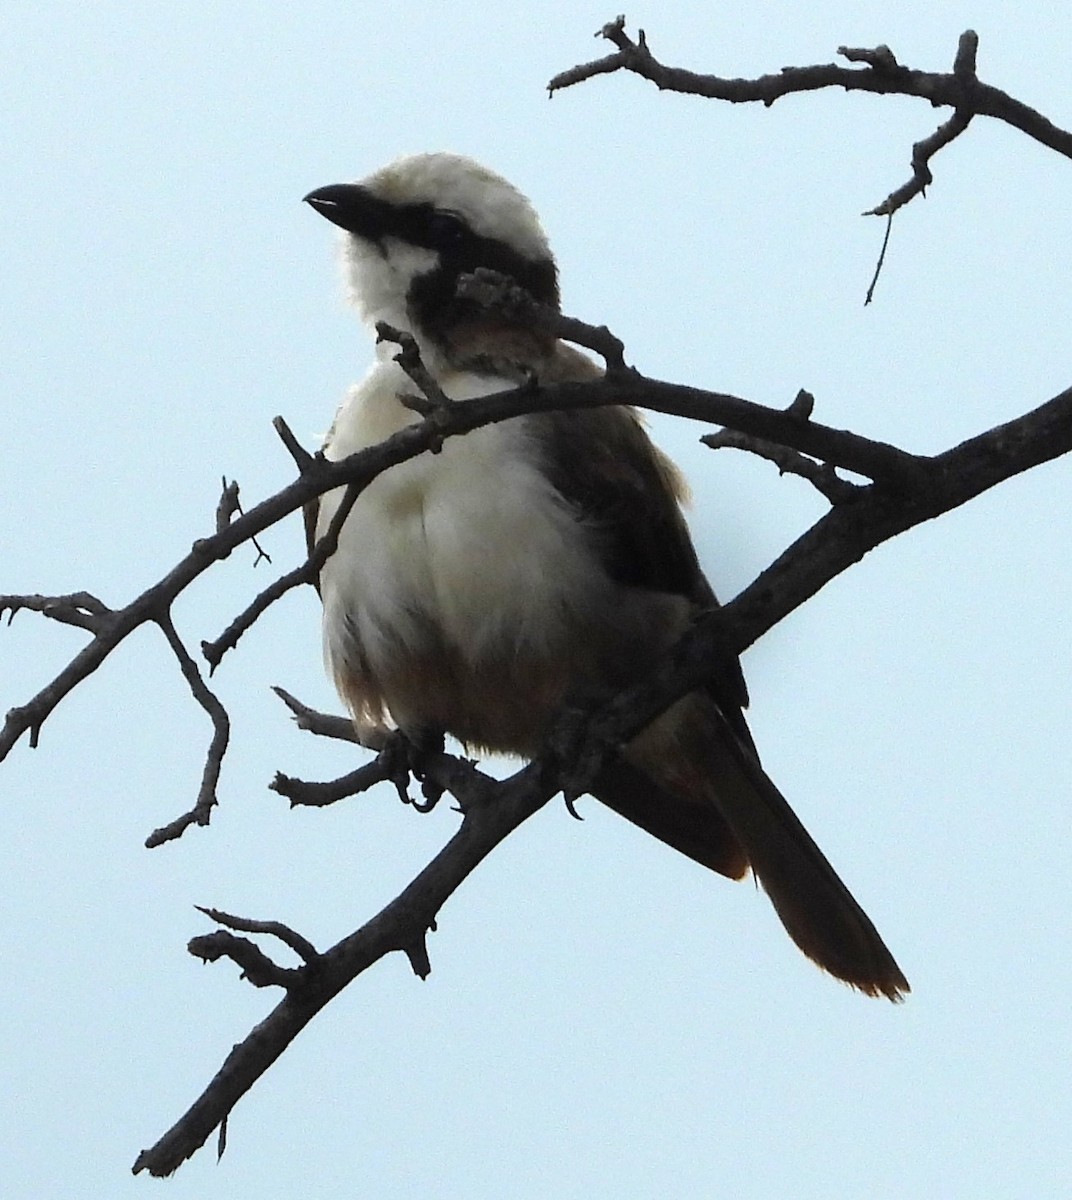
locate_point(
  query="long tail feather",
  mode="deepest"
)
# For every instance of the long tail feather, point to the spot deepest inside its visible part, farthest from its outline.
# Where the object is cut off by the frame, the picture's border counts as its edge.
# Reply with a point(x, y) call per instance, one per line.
point(697, 761)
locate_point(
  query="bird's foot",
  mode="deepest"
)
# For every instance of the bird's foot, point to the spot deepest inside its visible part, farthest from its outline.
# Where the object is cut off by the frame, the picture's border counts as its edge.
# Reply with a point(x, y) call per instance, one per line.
point(404, 755)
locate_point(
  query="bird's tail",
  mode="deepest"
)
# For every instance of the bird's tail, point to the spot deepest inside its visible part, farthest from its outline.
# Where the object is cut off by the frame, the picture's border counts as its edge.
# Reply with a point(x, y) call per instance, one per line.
point(693, 753)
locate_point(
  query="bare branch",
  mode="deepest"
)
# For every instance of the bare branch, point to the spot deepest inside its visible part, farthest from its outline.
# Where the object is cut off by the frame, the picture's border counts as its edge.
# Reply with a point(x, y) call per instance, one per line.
point(300, 945)
point(221, 732)
point(80, 609)
point(882, 74)
point(341, 728)
point(255, 965)
point(400, 926)
point(881, 259)
point(922, 153)
point(396, 758)
point(907, 489)
point(318, 795)
point(433, 399)
point(875, 460)
point(226, 507)
point(214, 651)
point(303, 460)
point(417, 953)
point(821, 476)
point(961, 90)
point(967, 52)
point(839, 539)
point(899, 472)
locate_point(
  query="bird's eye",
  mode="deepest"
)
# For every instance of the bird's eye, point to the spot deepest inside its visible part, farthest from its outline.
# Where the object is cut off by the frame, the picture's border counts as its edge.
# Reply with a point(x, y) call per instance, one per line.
point(446, 228)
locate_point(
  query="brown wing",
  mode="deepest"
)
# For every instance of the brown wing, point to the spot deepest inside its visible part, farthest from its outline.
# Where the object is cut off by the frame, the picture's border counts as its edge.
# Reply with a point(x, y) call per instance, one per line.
point(603, 462)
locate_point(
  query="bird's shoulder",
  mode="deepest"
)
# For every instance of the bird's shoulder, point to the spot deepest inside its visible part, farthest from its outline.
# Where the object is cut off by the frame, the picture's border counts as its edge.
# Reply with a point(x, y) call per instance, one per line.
point(605, 464)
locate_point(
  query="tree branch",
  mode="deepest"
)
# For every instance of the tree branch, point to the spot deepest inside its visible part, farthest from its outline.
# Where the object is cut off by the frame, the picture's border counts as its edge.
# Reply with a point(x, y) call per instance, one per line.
point(876, 460)
point(838, 540)
point(897, 472)
point(820, 475)
point(340, 728)
point(959, 89)
point(221, 733)
point(883, 75)
point(905, 490)
point(402, 925)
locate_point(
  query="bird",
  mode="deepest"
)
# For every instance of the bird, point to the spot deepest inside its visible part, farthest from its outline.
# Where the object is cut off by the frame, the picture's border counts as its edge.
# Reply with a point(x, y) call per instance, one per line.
point(542, 560)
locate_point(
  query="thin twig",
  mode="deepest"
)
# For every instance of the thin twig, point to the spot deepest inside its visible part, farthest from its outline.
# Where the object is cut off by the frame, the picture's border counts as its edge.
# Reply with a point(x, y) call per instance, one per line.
point(433, 399)
point(221, 732)
point(326, 725)
point(499, 293)
point(307, 572)
point(303, 460)
point(311, 794)
point(922, 153)
point(229, 504)
point(300, 945)
point(881, 259)
point(821, 476)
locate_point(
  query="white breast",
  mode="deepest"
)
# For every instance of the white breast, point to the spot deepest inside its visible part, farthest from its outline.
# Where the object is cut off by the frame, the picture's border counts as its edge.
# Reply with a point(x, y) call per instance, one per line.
point(471, 546)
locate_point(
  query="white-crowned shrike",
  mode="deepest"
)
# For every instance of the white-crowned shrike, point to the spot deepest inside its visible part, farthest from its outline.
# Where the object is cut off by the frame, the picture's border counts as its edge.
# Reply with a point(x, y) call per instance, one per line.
point(475, 591)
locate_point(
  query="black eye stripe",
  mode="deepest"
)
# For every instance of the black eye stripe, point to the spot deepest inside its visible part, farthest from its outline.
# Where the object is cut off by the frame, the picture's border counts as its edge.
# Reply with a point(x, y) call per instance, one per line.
point(425, 225)
point(462, 251)
point(446, 227)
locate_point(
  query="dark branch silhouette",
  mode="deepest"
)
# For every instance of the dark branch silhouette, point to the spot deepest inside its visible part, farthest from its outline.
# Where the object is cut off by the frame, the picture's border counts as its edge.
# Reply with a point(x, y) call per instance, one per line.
point(897, 490)
point(960, 89)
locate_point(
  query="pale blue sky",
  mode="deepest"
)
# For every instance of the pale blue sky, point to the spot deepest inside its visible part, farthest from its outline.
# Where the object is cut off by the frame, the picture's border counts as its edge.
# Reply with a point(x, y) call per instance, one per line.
point(603, 1017)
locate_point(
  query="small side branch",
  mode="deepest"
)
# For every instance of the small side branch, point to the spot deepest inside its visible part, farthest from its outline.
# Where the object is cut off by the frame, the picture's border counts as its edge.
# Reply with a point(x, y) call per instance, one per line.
point(922, 153)
point(227, 507)
point(221, 732)
point(310, 466)
point(820, 475)
point(396, 758)
point(81, 609)
point(307, 573)
point(301, 946)
point(255, 965)
point(325, 724)
point(301, 792)
point(214, 651)
point(433, 400)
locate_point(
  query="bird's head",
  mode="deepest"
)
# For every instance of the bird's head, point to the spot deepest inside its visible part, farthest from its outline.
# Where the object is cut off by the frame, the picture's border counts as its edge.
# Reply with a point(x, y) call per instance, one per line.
point(416, 225)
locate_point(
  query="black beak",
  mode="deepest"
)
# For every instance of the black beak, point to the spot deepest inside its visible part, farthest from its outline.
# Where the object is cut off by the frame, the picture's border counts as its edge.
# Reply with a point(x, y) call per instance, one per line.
point(351, 207)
